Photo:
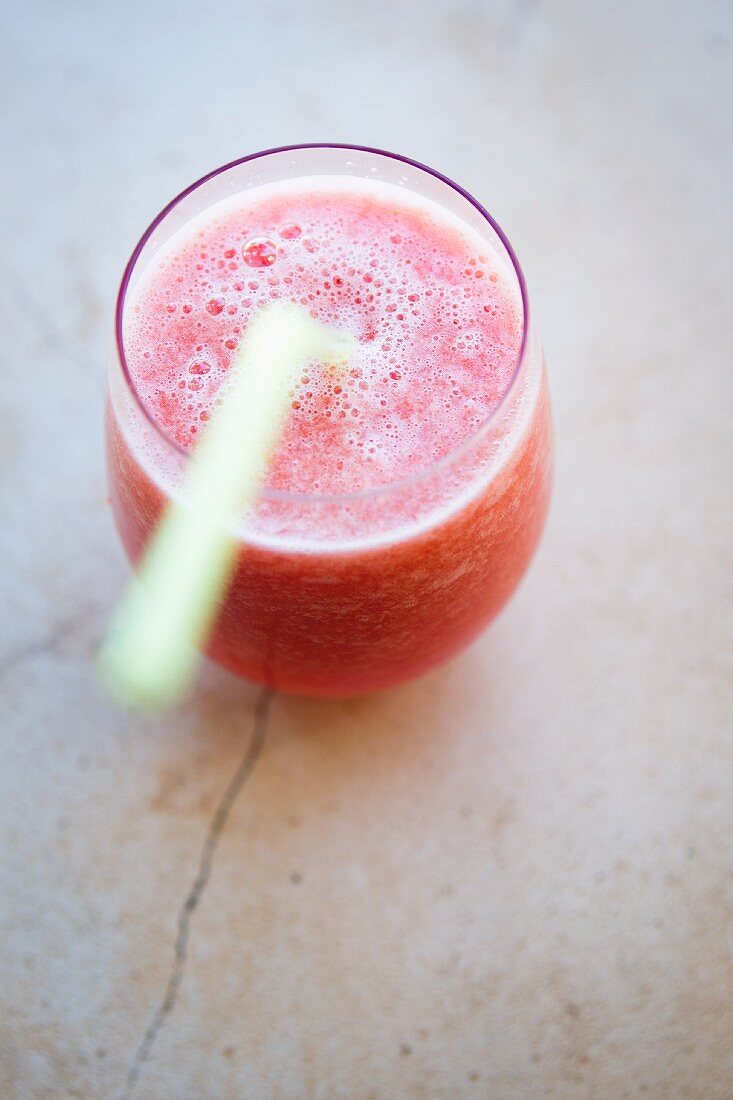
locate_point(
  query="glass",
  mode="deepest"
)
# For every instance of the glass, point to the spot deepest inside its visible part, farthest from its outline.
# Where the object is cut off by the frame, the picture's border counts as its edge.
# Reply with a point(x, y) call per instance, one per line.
point(340, 594)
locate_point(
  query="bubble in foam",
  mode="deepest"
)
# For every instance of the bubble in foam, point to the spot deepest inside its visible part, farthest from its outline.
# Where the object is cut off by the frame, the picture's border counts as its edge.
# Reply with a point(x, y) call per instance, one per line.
point(260, 252)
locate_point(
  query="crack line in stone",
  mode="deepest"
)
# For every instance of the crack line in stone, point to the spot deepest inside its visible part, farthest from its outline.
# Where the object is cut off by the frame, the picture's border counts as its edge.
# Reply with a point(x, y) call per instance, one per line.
point(46, 644)
point(206, 863)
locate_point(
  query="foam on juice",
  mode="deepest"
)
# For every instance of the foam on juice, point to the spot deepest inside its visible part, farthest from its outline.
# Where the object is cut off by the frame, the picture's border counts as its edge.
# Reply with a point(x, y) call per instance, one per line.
point(436, 314)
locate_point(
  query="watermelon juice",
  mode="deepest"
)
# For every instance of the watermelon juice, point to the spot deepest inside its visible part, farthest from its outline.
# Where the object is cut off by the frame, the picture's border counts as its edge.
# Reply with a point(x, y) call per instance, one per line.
point(408, 490)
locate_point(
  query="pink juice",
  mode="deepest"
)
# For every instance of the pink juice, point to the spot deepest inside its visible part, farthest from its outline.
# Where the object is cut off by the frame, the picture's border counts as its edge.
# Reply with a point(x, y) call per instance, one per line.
point(408, 491)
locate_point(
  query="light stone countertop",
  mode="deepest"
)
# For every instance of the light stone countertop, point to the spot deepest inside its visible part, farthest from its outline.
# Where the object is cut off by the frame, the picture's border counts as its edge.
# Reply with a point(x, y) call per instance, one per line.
point(512, 879)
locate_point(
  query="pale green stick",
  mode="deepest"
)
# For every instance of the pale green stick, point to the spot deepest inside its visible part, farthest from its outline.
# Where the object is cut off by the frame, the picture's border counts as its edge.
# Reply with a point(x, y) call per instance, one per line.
point(151, 651)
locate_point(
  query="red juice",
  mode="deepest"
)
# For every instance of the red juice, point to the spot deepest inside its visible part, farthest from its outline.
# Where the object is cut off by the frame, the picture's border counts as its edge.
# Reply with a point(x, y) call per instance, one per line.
point(408, 491)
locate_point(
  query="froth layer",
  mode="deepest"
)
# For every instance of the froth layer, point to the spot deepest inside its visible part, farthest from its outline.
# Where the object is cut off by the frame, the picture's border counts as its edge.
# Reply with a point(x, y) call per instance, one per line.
point(435, 313)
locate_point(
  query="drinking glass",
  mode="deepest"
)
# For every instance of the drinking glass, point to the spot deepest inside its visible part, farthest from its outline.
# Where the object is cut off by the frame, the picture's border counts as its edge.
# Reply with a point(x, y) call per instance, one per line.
point(344, 593)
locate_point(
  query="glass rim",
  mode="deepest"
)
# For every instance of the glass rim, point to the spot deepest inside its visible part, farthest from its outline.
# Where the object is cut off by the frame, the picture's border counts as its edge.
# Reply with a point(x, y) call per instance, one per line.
point(373, 491)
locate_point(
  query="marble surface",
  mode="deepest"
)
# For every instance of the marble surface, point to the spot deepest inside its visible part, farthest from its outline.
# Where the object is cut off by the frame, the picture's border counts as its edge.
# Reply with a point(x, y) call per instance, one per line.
point(514, 878)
